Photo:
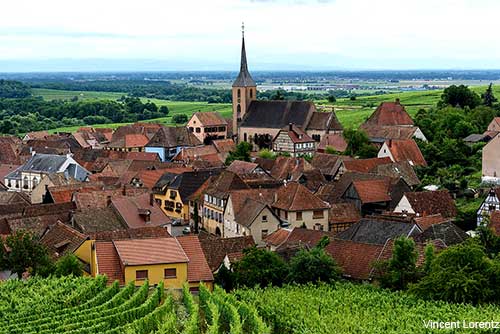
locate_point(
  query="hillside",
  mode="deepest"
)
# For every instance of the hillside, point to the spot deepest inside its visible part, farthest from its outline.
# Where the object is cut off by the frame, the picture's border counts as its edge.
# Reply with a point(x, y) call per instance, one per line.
point(84, 305)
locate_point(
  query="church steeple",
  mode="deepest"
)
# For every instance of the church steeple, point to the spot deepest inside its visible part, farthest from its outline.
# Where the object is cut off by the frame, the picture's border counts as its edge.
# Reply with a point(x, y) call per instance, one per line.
point(244, 78)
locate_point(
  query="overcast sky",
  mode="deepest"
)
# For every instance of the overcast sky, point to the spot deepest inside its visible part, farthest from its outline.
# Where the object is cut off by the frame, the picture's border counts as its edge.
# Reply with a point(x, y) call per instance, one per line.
point(280, 34)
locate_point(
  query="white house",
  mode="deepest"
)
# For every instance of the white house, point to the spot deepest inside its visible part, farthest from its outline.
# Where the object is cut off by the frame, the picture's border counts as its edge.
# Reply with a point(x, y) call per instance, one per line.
point(490, 204)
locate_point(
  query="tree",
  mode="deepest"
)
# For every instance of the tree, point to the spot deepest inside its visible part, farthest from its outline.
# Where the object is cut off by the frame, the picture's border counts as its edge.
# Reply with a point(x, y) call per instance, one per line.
point(279, 95)
point(488, 97)
point(67, 265)
point(164, 110)
point(331, 99)
point(401, 269)
point(26, 253)
point(461, 274)
point(225, 278)
point(459, 96)
point(266, 154)
point(179, 118)
point(313, 265)
point(259, 267)
point(242, 152)
point(358, 144)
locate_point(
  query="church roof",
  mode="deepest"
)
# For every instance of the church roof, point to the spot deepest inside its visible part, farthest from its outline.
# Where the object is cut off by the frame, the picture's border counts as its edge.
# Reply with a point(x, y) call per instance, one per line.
point(244, 78)
point(278, 114)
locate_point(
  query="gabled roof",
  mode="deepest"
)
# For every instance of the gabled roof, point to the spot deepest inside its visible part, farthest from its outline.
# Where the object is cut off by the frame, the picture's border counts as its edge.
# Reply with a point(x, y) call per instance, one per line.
point(365, 165)
point(210, 118)
point(47, 163)
point(372, 191)
point(108, 262)
point(343, 213)
point(186, 183)
point(61, 239)
point(377, 231)
point(242, 167)
point(432, 202)
point(296, 134)
point(401, 169)
point(14, 197)
point(427, 221)
point(378, 133)
point(303, 237)
point(139, 211)
point(136, 252)
point(131, 233)
point(287, 168)
point(334, 140)
point(389, 113)
point(93, 220)
point(225, 182)
point(277, 114)
point(64, 193)
point(447, 232)
point(173, 137)
point(198, 269)
point(248, 203)
point(406, 150)
point(216, 248)
point(324, 121)
point(296, 197)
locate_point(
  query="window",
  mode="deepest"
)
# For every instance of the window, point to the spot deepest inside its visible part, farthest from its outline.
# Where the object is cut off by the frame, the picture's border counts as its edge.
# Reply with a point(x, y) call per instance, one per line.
point(286, 214)
point(251, 93)
point(25, 182)
point(318, 214)
point(244, 137)
point(170, 273)
point(239, 93)
point(141, 275)
point(299, 215)
point(198, 130)
point(264, 234)
point(264, 219)
point(173, 194)
point(191, 129)
point(206, 198)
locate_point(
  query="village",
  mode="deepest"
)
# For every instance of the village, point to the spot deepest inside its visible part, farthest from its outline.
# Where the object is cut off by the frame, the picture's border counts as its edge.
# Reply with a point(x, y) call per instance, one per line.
point(177, 204)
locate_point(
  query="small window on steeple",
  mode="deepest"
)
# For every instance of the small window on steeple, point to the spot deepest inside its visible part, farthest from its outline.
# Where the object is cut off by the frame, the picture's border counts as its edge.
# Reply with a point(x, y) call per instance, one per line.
point(251, 93)
point(239, 93)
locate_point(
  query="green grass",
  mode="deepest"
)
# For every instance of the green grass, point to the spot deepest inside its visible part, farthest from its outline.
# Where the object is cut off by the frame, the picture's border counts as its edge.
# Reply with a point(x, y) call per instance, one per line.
point(350, 113)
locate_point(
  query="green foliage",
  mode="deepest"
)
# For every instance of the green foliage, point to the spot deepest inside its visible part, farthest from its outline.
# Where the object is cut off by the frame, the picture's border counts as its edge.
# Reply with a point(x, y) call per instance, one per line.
point(225, 278)
point(259, 267)
point(13, 89)
point(267, 154)
point(69, 264)
point(26, 254)
point(331, 150)
point(331, 98)
point(461, 274)
point(179, 118)
point(164, 110)
point(488, 97)
point(429, 257)
point(358, 144)
point(242, 152)
point(313, 265)
point(459, 96)
point(401, 269)
point(489, 240)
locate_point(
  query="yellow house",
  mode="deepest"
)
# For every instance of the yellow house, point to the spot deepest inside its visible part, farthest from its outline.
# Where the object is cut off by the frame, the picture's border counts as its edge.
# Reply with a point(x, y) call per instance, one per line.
point(174, 261)
point(172, 191)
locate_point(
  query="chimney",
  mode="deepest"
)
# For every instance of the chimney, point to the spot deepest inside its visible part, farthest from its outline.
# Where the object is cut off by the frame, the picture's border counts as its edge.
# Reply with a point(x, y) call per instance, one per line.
point(397, 100)
point(145, 214)
point(151, 199)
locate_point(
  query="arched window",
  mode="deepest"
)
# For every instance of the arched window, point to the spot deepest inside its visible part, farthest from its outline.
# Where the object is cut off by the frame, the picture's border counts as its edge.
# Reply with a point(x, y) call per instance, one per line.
point(239, 93)
point(35, 182)
point(25, 182)
point(238, 112)
point(251, 93)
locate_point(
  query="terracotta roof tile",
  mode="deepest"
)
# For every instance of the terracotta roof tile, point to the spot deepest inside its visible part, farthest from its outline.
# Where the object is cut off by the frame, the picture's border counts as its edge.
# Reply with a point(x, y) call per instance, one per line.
point(210, 118)
point(216, 248)
point(242, 167)
point(344, 213)
point(198, 269)
point(108, 262)
point(365, 165)
point(61, 239)
point(296, 197)
point(334, 140)
point(139, 211)
point(296, 134)
point(372, 191)
point(131, 233)
point(427, 221)
point(406, 150)
point(134, 252)
point(224, 146)
point(278, 237)
point(135, 140)
point(389, 113)
point(390, 132)
point(426, 203)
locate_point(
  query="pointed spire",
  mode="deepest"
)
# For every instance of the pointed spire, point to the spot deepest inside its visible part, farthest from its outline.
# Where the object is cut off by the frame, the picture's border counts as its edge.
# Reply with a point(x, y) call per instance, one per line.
point(244, 78)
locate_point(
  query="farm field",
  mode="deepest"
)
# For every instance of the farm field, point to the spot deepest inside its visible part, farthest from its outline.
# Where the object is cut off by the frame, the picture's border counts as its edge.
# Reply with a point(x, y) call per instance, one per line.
point(86, 305)
point(350, 113)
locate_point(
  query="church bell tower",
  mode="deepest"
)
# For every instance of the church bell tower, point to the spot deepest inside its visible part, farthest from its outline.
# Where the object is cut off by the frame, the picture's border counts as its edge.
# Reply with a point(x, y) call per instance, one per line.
point(244, 88)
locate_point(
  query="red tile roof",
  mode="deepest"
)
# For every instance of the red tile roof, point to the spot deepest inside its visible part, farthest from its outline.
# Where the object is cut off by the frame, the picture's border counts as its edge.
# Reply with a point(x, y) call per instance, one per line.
point(426, 203)
point(427, 221)
point(134, 210)
point(365, 165)
point(296, 197)
point(372, 191)
point(62, 239)
point(406, 150)
point(296, 134)
point(6, 169)
point(216, 248)
point(389, 113)
point(136, 252)
point(242, 167)
point(495, 222)
point(355, 258)
point(63, 194)
point(131, 233)
point(333, 140)
point(143, 156)
point(135, 140)
point(210, 118)
point(108, 262)
point(198, 269)
point(278, 237)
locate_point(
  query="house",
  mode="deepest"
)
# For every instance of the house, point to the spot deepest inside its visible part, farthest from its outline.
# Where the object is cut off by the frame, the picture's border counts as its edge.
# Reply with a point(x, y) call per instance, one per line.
point(293, 238)
point(133, 137)
point(363, 165)
point(173, 261)
point(207, 126)
point(215, 200)
point(258, 122)
point(172, 191)
point(293, 141)
point(216, 248)
point(391, 121)
point(296, 206)
point(342, 216)
point(41, 194)
point(168, 141)
point(401, 169)
point(377, 230)
point(491, 161)
point(329, 165)
point(61, 239)
point(333, 141)
point(249, 212)
point(28, 176)
point(491, 203)
point(35, 135)
point(424, 203)
point(288, 169)
point(140, 211)
point(400, 150)
point(200, 157)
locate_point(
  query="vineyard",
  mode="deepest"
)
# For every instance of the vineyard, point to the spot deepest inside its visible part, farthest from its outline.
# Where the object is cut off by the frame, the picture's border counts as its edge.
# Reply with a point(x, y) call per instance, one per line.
point(84, 305)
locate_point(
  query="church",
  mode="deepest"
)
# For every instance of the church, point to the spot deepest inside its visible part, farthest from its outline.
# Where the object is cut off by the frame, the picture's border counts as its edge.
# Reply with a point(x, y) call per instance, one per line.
point(258, 122)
